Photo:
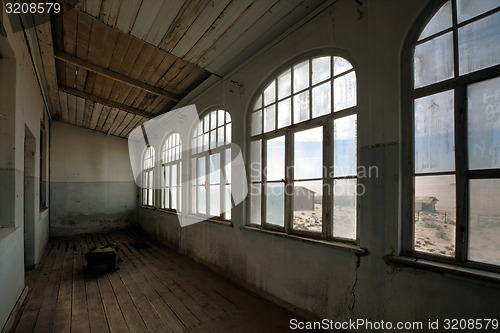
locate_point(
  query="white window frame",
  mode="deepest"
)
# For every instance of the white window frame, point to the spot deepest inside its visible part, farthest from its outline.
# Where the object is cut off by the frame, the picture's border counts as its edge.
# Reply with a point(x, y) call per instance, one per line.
point(148, 178)
point(203, 150)
point(327, 122)
point(171, 157)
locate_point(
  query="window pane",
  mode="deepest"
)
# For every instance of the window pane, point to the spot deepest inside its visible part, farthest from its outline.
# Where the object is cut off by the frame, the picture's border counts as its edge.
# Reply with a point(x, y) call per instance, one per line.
point(275, 204)
point(258, 104)
point(435, 214)
point(270, 93)
point(322, 99)
point(256, 123)
point(227, 166)
point(227, 211)
point(344, 92)
point(307, 206)
point(220, 118)
point(439, 22)
point(285, 84)
point(213, 139)
point(167, 175)
point(213, 119)
point(345, 147)
point(320, 69)
point(434, 133)
point(220, 136)
point(479, 44)
point(228, 133)
point(467, 9)
point(340, 65)
point(275, 159)
point(269, 118)
point(344, 208)
point(434, 60)
point(214, 175)
point(202, 200)
point(214, 200)
point(301, 107)
point(301, 76)
point(174, 197)
point(285, 113)
point(174, 175)
point(194, 201)
point(255, 203)
point(205, 141)
point(484, 219)
point(201, 170)
point(206, 123)
point(484, 124)
point(255, 161)
point(308, 154)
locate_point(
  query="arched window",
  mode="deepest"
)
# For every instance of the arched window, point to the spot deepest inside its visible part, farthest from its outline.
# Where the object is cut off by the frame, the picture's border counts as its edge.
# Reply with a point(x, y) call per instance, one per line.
point(453, 121)
point(211, 166)
point(171, 173)
point(303, 150)
point(148, 164)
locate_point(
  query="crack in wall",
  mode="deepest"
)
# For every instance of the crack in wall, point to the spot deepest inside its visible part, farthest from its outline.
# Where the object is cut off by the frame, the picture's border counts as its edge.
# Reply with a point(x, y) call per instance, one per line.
point(353, 289)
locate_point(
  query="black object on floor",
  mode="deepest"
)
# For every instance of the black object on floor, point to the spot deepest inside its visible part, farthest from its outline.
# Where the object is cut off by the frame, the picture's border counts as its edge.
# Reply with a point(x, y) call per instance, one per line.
point(102, 260)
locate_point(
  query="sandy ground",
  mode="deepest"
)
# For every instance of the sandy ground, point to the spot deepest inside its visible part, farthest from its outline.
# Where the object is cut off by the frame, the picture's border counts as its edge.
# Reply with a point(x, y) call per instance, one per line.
point(308, 219)
point(435, 233)
point(343, 220)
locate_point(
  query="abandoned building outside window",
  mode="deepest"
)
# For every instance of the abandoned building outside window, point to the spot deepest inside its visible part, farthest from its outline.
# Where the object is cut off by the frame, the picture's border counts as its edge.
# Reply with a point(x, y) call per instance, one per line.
point(456, 135)
point(303, 151)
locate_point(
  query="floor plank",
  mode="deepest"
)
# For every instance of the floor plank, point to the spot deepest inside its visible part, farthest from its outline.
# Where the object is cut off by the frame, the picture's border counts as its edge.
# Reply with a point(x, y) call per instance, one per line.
point(154, 290)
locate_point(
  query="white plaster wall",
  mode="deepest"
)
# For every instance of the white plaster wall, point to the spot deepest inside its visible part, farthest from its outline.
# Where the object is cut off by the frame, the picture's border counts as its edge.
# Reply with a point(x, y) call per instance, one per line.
point(92, 187)
point(321, 280)
point(21, 105)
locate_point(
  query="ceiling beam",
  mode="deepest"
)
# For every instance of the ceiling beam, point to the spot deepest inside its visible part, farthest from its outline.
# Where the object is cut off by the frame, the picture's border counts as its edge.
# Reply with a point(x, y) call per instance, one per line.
point(103, 101)
point(115, 76)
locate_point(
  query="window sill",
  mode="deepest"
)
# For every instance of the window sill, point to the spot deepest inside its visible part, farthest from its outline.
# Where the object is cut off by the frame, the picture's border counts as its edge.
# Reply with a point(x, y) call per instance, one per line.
point(168, 211)
point(221, 222)
point(446, 268)
point(149, 207)
point(43, 209)
point(356, 249)
point(6, 232)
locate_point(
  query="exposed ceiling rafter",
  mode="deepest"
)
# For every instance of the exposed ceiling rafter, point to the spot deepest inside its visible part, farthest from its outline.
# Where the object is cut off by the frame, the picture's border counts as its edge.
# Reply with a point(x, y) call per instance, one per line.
point(103, 101)
point(115, 76)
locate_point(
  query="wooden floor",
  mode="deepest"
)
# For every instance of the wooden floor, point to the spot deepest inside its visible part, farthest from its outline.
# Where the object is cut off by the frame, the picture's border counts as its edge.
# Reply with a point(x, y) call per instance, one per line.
point(155, 290)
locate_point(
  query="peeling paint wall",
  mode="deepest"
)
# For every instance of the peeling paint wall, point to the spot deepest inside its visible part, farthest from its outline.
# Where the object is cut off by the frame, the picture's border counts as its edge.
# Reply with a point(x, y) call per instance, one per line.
point(325, 281)
point(92, 188)
point(21, 111)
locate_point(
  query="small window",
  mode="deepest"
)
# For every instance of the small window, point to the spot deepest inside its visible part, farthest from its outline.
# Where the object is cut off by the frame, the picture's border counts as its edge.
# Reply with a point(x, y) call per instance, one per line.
point(211, 166)
point(171, 173)
point(148, 163)
point(303, 151)
point(455, 117)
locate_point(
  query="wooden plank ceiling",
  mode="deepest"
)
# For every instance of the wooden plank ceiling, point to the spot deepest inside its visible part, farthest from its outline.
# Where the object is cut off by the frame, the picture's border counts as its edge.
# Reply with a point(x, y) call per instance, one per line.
point(120, 62)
